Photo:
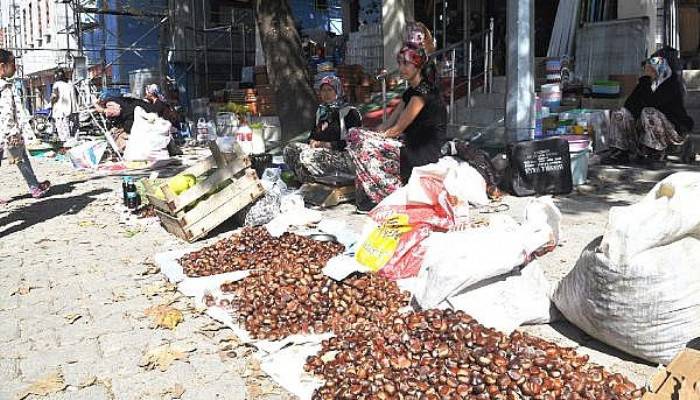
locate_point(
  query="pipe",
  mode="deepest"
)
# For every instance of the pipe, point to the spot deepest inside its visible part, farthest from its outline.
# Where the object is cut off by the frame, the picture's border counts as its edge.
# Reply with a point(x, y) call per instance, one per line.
point(490, 81)
point(452, 87)
point(469, 76)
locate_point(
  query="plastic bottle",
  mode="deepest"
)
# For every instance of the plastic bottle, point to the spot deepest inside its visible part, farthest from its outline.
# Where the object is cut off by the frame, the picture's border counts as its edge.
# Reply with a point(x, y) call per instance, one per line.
point(133, 200)
point(125, 181)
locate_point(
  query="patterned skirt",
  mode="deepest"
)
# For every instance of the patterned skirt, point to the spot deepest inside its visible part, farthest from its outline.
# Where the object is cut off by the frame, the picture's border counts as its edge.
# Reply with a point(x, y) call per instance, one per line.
point(652, 133)
point(307, 162)
point(376, 160)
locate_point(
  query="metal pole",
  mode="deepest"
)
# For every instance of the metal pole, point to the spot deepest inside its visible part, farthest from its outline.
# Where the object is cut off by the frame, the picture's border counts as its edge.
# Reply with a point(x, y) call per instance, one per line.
point(466, 24)
point(486, 62)
point(195, 61)
point(490, 85)
point(469, 76)
point(444, 23)
point(206, 52)
point(452, 87)
point(383, 98)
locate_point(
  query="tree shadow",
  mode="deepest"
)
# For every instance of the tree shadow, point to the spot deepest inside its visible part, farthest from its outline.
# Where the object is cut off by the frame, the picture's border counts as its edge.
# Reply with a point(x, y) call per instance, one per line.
point(604, 196)
point(41, 211)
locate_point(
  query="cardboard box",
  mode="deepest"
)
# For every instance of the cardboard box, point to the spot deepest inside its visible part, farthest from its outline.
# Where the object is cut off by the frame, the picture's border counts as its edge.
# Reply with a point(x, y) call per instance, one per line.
point(680, 380)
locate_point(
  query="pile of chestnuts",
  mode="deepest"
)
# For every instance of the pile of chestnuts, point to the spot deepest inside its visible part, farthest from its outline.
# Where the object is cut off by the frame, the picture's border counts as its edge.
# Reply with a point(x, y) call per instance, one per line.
point(438, 354)
point(297, 298)
point(254, 248)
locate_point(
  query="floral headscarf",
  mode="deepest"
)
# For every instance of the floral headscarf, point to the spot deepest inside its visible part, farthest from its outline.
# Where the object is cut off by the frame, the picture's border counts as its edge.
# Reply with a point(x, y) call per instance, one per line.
point(412, 54)
point(663, 71)
point(334, 82)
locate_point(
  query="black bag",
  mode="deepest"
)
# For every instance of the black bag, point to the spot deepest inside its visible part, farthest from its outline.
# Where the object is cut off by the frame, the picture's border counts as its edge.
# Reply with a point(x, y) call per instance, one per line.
point(540, 167)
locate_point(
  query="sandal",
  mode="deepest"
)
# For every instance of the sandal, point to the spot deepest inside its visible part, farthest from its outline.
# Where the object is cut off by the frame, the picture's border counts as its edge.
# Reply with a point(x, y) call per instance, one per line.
point(41, 190)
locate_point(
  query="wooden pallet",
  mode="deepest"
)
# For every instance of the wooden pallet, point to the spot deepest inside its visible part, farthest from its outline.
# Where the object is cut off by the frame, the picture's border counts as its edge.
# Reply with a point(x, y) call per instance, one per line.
point(194, 213)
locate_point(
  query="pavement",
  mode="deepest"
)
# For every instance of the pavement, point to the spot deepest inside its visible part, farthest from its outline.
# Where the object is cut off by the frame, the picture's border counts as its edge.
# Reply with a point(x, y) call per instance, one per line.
point(78, 287)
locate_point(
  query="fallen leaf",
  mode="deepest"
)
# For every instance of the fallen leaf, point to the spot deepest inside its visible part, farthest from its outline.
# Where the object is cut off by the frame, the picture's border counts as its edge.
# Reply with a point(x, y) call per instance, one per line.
point(71, 318)
point(158, 288)
point(175, 392)
point(118, 296)
point(164, 316)
point(89, 381)
point(85, 224)
point(163, 356)
point(52, 383)
point(23, 290)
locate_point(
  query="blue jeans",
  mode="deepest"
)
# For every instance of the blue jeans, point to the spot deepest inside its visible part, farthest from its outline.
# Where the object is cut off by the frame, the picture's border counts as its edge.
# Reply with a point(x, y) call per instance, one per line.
point(21, 157)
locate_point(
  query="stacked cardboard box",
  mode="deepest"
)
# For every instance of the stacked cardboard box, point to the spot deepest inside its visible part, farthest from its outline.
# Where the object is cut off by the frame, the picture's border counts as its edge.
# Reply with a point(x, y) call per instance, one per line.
point(266, 102)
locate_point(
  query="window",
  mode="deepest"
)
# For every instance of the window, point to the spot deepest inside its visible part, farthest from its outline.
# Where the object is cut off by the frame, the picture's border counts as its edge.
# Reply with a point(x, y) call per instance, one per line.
point(39, 19)
point(24, 27)
point(48, 15)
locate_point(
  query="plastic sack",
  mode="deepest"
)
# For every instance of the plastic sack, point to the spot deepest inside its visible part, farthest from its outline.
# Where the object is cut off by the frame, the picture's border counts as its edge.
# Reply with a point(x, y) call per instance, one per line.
point(638, 287)
point(457, 260)
point(88, 154)
point(509, 301)
point(148, 138)
point(668, 212)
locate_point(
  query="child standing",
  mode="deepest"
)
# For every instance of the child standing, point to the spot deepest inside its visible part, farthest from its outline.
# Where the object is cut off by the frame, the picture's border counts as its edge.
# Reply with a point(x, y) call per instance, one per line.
point(11, 124)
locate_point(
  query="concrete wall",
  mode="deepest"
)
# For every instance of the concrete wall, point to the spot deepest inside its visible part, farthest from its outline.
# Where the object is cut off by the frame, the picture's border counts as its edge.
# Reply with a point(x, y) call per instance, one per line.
point(395, 14)
point(640, 8)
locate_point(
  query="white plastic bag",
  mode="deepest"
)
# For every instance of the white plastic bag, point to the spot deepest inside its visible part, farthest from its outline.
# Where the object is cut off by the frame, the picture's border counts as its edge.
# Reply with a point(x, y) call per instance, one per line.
point(456, 260)
point(638, 288)
point(148, 138)
point(511, 301)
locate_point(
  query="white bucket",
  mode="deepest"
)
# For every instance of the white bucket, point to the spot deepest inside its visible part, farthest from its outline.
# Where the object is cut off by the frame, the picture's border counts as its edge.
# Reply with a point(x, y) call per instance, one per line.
point(579, 166)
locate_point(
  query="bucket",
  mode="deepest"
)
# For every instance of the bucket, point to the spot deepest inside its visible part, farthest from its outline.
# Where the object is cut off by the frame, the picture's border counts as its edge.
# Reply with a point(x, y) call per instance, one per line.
point(579, 166)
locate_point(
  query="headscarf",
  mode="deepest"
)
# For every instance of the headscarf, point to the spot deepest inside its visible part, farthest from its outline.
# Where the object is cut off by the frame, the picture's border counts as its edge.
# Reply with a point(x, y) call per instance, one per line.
point(334, 82)
point(663, 71)
point(325, 110)
point(413, 54)
point(154, 90)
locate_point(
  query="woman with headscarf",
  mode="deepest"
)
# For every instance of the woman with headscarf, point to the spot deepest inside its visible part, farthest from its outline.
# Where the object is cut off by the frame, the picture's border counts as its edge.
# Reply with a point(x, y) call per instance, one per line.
point(652, 118)
point(412, 135)
point(159, 105)
point(325, 154)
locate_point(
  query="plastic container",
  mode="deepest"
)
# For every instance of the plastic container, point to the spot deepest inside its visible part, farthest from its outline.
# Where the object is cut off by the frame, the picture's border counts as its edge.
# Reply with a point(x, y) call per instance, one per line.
point(579, 166)
point(551, 95)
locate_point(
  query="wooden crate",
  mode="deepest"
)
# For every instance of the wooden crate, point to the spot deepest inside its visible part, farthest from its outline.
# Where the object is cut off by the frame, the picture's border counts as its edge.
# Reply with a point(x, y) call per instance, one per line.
point(197, 211)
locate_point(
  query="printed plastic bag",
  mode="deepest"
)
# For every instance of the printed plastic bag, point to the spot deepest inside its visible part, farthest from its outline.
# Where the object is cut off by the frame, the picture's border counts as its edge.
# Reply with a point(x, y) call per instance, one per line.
point(88, 154)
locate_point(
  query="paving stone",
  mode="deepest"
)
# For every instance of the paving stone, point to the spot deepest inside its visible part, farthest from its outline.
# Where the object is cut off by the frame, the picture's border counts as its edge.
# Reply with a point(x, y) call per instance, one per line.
point(9, 328)
point(95, 392)
point(9, 369)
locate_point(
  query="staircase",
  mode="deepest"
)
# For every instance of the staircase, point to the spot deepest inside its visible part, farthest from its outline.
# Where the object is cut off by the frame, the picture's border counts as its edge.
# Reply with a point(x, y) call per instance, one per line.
point(485, 115)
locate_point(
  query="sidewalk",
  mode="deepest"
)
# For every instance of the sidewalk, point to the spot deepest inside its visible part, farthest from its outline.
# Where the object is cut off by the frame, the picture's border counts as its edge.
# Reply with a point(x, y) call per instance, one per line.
point(75, 284)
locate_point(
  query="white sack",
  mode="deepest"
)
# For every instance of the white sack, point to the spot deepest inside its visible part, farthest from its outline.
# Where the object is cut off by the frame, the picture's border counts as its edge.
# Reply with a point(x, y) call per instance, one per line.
point(649, 307)
point(456, 260)
point(670, 211)
point(638, 288)
point(511, 301)
point(459, 178)
point(148, 138)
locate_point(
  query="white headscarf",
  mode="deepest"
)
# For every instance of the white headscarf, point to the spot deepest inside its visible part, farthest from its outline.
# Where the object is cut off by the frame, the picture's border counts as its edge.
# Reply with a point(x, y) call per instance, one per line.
point(663, 71)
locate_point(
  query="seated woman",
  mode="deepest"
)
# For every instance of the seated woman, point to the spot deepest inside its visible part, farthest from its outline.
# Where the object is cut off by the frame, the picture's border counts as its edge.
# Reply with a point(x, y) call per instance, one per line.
point(412, 136)
point(325, 153)
point(160, 106)
point(652, 118)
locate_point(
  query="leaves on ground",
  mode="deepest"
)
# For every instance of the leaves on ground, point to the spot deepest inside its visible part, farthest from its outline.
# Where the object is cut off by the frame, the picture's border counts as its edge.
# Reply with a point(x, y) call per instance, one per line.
point(72, 317)
point(175, 392)
point(158, 288)
point(162, 357)
point(52, 383)
point(164, 316)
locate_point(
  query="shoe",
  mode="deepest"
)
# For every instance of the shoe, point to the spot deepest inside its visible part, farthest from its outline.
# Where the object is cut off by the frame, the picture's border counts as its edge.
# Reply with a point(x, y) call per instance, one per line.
point(614, 157)
point(362, 202)
point(40, 191)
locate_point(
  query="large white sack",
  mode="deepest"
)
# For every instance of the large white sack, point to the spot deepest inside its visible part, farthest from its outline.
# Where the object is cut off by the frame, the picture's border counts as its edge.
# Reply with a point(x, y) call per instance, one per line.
point(648, 307)
point(460, 180)
point(148, 138)
point(511, 301)
point(670, 211)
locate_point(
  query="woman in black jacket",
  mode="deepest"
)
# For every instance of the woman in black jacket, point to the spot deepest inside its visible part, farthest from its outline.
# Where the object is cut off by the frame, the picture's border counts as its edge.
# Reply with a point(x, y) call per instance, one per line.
point(325, 154)
point(652, 118)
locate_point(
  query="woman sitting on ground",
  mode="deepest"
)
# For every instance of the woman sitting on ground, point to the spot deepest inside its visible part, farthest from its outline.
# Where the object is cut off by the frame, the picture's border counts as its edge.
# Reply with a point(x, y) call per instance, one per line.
point(652, 118)
point(325, 154)
point(412, 136)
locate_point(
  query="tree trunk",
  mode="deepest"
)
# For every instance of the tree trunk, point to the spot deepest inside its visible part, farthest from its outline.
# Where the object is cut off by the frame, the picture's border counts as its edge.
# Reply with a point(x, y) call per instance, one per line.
point(286, 68)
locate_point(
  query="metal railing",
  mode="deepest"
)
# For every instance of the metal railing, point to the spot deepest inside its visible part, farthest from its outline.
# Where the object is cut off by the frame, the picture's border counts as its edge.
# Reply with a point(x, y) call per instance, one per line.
point(450, 66)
